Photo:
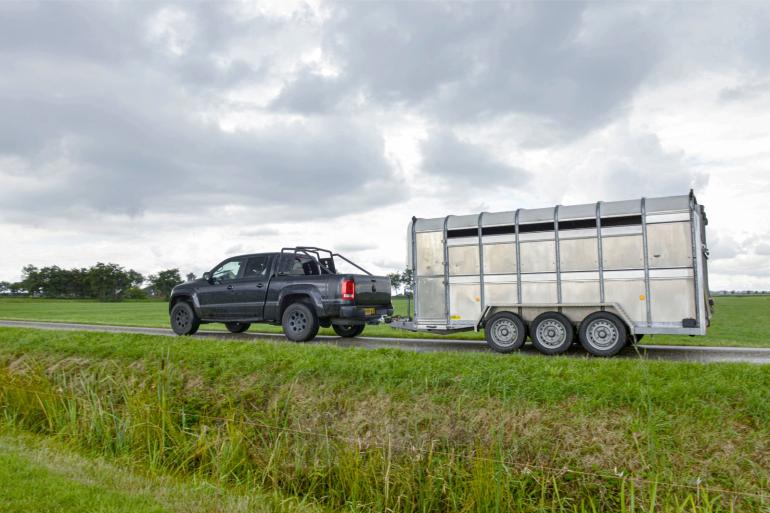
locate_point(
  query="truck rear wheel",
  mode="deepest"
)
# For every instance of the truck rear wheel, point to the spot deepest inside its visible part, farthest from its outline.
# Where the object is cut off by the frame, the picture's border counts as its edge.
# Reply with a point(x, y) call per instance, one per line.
point(237, 327)
point(348, 330)
point(299, 322)
point(603, 334)
point(552, 333)
point(183, 319)
point(505, 332)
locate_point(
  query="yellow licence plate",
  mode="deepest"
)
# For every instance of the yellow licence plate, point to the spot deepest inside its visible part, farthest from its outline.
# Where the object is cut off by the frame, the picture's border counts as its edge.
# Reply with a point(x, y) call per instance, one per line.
point(369, 311)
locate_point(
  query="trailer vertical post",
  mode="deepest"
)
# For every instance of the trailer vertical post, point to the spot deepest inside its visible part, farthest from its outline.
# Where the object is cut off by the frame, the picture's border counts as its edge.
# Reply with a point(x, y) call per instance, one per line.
point(646, 261)
point(600, 254)
point(445, 242)
point(481, 261)
point(695, 258)
point(558, 256)
point(414, 266)
point(518, 259)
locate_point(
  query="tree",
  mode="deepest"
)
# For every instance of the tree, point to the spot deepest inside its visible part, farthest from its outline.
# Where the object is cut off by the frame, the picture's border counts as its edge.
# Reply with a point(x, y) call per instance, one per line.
point(395, 281)
point(135, 278)
point(164, 281)
point(30, 279)
point(108, 282)
point(190, 276)
point(5, 287)
point(407, 280)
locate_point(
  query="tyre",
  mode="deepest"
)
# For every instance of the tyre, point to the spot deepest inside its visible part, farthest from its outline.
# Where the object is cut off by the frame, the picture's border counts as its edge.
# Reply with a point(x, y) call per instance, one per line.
point(505, 332)
point(183, 319)
point(348, 330)
point(603, 334)
point(552, 333)
point(299, 322)
point(237, 327)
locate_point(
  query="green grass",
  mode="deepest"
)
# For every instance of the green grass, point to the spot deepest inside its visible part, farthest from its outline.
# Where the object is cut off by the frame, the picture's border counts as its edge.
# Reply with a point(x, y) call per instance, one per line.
point(383, 430)
point(742, 321)
point(40, 475)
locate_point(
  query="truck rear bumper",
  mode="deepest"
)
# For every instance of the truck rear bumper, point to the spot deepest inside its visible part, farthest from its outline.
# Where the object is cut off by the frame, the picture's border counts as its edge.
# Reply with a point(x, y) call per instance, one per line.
point(363, 314)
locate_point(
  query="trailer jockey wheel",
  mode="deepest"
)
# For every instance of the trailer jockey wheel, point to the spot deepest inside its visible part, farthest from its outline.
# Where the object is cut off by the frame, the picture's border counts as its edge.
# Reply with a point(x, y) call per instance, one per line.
point(603, 334)
point(552, 333)
point(505, 332)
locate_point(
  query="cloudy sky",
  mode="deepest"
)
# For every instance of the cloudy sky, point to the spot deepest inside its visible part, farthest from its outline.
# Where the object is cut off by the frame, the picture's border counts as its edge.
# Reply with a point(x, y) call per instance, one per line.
point(172, 135)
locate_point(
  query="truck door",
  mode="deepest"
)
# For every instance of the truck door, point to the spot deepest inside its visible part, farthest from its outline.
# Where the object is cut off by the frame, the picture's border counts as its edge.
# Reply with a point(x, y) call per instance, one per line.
point(251, 289)
point(217, 297)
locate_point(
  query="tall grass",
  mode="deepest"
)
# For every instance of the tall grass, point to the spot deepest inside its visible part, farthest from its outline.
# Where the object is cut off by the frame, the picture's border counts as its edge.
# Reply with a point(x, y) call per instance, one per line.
point(147, 417)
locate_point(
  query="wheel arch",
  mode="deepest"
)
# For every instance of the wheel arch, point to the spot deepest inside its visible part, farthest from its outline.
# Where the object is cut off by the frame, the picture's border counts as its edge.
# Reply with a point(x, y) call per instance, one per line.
point(291, 295)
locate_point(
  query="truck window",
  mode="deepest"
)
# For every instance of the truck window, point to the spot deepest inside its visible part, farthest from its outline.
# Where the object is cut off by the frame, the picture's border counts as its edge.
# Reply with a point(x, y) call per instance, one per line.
point(304, 266)
point(256, 267)
point(227, 271)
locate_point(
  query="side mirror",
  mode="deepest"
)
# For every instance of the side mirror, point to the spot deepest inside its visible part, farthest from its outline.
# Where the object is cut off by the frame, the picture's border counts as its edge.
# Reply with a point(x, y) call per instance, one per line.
point(207, 277)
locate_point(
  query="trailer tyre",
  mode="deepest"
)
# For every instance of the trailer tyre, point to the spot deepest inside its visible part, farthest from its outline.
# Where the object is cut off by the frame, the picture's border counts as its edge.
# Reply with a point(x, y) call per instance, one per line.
point(505, 332)
point(552, 333)
point(237, 327)
point(603, 334)
point(348, 330)
point(300, 323)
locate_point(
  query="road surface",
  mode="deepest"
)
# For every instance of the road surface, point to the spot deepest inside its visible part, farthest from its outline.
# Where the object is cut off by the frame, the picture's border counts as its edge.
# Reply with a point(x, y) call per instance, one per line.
point(679, 353)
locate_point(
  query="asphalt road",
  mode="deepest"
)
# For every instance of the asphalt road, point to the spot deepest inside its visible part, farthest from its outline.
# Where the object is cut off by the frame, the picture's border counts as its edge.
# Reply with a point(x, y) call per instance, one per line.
point(653, 352)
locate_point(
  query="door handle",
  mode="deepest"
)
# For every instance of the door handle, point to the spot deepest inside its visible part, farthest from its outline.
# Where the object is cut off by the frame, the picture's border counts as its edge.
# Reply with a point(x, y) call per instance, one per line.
point(229, 287)
point(260, 285)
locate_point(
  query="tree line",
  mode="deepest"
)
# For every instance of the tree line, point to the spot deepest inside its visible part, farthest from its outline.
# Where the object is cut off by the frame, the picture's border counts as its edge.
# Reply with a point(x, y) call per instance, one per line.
point(105, 282)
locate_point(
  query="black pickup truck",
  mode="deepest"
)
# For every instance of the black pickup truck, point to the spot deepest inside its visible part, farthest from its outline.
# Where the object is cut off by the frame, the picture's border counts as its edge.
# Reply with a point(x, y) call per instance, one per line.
point(298, 288)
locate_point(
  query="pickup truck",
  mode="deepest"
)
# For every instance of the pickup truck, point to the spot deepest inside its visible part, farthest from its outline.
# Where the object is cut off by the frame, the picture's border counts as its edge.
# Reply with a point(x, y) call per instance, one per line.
point(298, 289)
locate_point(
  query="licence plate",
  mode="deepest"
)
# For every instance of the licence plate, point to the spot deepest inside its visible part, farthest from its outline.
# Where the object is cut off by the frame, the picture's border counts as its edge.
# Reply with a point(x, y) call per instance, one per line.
point(369, 311)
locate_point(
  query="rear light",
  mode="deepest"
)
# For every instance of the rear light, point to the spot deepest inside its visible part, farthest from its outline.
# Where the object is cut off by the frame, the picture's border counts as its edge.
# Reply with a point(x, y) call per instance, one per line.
point(348, 289)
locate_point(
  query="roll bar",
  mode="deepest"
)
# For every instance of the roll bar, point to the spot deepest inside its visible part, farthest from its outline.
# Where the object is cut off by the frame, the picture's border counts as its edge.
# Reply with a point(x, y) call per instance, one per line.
point(326, 262)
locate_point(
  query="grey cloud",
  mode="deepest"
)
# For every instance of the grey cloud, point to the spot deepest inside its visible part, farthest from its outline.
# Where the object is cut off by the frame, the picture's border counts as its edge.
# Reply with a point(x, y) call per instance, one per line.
point(637, 165)
point(464, 164)
point(352, 247)
point(465, 62)
point(124, 138)
point(745, 91)
point(310, 93)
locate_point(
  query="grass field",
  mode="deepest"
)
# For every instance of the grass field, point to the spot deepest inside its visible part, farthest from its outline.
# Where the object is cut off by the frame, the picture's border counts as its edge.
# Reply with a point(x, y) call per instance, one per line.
point(738, 320)
point(347, 429)
point(39, 474)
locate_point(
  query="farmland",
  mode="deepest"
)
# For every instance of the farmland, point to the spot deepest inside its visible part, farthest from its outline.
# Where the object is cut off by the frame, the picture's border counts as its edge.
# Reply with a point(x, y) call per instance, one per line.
point(308, 427)
point(742, 321)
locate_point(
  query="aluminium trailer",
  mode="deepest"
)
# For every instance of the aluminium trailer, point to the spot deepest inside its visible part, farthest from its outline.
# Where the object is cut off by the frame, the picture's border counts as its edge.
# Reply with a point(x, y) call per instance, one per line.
point(605, 273)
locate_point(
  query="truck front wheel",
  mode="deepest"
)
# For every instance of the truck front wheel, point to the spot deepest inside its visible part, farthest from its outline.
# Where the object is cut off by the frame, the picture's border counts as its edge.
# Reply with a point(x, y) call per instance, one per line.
point(300, 323)
point(183, 319)
point(348, 330)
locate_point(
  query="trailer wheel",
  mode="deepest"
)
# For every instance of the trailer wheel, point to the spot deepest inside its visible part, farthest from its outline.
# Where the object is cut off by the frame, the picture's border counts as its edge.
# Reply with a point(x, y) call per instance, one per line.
point(348, 330)
point(505, 332)
point(300, 323)
point(237, 327)
point(603, 334)
point(552, 333)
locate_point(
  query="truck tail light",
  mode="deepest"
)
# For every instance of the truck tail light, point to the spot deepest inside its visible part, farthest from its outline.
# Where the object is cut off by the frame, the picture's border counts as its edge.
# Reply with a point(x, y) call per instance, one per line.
point(348, 289)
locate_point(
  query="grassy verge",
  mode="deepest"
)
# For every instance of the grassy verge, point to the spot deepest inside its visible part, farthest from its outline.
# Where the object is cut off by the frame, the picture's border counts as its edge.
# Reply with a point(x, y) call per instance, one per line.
point(388, 430)
point(40, 475)
point(740, 321)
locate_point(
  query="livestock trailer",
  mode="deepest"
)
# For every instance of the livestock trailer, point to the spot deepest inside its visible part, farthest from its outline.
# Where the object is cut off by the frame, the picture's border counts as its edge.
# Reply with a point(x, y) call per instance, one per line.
point(606, 273)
